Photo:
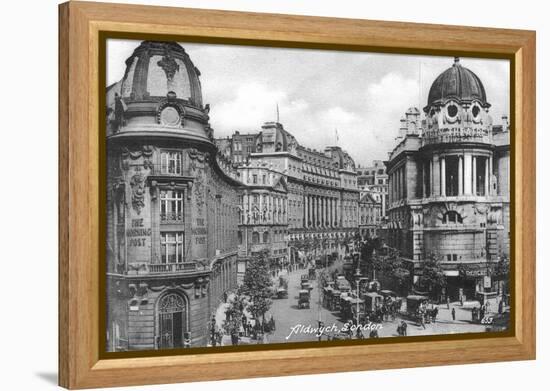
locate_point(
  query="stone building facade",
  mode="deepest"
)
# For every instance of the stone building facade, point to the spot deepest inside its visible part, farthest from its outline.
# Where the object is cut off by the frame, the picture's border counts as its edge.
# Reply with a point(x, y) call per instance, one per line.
point(172, 216)
point(449, 184)
point(322, 196)
point(374, 179)
point(263, 214)
point(370, 214)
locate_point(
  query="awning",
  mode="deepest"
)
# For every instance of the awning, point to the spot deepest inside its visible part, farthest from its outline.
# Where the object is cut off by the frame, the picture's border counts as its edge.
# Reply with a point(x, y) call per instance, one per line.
point(451, 273)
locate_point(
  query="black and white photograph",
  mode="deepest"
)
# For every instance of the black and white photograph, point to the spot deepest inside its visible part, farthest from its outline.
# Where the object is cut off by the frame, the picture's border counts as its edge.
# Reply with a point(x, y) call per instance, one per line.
point(265, 195)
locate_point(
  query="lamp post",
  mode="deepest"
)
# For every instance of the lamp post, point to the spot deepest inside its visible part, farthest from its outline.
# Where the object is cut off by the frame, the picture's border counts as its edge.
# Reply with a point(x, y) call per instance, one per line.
point(357, 286)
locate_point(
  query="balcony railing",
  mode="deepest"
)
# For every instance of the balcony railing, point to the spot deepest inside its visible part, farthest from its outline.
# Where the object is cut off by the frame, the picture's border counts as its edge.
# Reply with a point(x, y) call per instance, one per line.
point(171, 217)
point(174, 267)
point(169, 171)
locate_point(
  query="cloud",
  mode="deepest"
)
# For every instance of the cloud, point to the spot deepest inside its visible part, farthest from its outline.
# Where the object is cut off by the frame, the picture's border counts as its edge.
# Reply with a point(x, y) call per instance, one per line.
point(251, 105)
point(363, 95)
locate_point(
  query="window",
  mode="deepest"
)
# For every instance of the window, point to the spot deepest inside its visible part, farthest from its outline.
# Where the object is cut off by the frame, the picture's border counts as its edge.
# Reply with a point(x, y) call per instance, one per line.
point(481, 162)
point(255, 238)
point(170, 163)
point(171, 247)
point(451, 175)
point(255, 179)
point(171, 206)
point(266, 237)
point(452, 110)
point(452, 217)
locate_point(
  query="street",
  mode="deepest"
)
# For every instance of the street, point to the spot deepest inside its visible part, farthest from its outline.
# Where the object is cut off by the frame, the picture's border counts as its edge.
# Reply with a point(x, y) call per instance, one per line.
point(293, 324)
point(287, 316)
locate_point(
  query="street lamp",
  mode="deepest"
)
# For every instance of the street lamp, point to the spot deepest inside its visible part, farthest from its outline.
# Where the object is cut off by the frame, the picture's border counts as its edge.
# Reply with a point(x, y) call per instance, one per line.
point(357, 286)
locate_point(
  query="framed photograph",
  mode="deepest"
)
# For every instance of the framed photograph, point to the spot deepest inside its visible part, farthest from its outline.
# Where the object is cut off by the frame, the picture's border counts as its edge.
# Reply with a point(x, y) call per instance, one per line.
point(246, 195)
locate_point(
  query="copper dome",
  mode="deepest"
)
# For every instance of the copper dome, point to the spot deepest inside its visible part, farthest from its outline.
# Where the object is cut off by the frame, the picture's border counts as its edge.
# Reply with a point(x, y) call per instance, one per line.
point(457, 83)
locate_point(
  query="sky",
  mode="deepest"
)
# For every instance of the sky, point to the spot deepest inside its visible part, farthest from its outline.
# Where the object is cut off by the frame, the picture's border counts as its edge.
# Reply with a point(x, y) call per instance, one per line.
point(320, 93)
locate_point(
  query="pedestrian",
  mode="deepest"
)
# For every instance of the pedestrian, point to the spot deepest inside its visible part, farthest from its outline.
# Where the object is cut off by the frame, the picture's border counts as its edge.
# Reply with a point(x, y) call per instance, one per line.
point(500, 306)
point(225, 297)
point(448, 303)
point(453, 314)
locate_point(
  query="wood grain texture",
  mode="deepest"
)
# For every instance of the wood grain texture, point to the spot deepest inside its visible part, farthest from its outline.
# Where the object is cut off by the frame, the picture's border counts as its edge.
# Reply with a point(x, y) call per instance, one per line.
point(80, 24)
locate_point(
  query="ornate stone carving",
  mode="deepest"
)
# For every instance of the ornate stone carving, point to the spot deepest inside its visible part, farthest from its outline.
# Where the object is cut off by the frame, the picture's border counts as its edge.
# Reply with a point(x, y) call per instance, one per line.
point(137, 183)
point(168, 65)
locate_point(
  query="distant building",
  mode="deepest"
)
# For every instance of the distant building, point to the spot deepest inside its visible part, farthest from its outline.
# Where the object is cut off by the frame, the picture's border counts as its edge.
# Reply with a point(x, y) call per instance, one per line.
point(374, 179)
point(449, 184)
point(238, 147)
point(321, 199)
point(370, 215)
point(263, 215)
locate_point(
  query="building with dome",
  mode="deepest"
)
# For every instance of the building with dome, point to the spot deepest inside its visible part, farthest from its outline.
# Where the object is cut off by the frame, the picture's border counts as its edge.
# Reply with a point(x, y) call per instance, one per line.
point(318, 192)
point(449, 194)
point(172, 215)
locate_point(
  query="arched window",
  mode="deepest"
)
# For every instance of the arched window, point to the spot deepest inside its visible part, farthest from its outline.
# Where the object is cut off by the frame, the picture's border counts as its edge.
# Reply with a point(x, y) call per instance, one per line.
point(452, 217)
point(240, 237)
point(266, 237)
point(255, 238)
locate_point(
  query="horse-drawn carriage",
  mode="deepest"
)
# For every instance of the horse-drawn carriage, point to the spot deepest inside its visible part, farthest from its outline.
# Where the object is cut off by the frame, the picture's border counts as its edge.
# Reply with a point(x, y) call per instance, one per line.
point(304, 282)
point(303, 299)
point(281, 292)
point(332, 300)
point(348, 308)
point(342, 284)
point(417, 309)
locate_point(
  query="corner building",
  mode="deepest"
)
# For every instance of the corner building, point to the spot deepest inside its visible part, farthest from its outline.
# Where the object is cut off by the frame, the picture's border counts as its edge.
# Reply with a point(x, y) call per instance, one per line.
point(172, 217)
point(449, 184)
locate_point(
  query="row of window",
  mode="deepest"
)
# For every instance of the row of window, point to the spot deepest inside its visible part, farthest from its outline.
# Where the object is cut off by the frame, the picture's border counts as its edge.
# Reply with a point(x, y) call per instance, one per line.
point(320, 181)
point(373, 172)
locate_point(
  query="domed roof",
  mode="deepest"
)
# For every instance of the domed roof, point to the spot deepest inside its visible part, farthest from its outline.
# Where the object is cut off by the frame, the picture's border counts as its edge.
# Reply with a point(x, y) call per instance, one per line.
point(156, 68)
point(457, 83)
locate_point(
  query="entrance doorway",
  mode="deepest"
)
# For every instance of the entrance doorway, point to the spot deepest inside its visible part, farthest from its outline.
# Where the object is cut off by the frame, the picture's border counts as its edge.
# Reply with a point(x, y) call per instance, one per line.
point(172, 318)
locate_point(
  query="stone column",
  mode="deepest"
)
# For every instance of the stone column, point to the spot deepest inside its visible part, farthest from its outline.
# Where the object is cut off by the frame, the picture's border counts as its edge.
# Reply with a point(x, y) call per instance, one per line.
point(431, 190)
point(474, 175)
point(322, 199)
point(330, 212)
point(436, 175)
point(467, 173)
point(318, 210)
point(261, 206)
point(486, 177)
point(333, 218)
point(423, 179)
point(443, 177)
point(304, 212)
point(310, 211)
point(314, 220)
point(338, 212)
point(490, 174)
point(460, 176)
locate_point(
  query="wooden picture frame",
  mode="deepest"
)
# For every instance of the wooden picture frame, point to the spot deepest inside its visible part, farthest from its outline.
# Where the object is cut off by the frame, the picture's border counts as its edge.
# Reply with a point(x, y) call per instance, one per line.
point(80, 314)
